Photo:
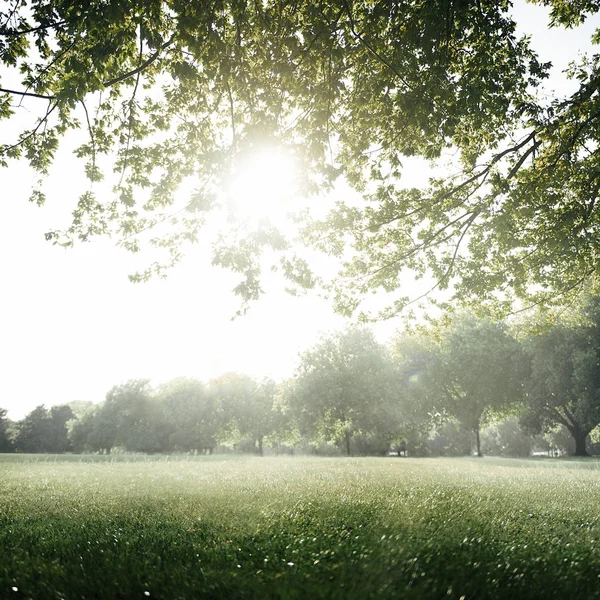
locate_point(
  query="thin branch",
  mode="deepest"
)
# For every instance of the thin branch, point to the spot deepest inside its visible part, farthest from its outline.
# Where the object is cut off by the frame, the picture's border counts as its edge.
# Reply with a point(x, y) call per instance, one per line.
point(555, 295)
point(28, 94)
point(141, 67)
point(91, 134)
point(32, 133)
point(165, 217)
point(232, 117)
point(12, 13)
point(450, 267)
point(16, 33)
point(374, 52)
point(130, 115)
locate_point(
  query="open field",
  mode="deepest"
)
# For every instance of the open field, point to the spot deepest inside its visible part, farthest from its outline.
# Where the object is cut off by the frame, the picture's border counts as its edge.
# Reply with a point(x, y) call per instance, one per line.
point(298, 528)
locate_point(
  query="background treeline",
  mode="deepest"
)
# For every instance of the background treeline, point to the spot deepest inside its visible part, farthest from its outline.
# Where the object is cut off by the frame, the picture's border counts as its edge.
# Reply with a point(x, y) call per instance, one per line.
point(460, 386)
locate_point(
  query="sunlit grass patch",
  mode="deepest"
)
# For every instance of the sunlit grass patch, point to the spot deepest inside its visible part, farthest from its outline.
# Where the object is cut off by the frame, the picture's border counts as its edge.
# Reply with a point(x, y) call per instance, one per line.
point(296, 528)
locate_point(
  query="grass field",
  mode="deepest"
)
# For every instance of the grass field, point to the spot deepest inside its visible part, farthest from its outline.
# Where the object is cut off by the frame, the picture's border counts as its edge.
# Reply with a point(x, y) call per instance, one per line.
point(298, 528)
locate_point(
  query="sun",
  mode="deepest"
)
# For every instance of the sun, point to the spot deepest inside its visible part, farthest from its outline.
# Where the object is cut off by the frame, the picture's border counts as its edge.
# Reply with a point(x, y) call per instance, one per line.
point(262, 186)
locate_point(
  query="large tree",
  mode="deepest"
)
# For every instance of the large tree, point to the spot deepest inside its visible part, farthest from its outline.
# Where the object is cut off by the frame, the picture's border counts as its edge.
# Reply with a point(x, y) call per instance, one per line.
point(345, 386)
point(172, 91)
point(565, 380)
point(479, 372)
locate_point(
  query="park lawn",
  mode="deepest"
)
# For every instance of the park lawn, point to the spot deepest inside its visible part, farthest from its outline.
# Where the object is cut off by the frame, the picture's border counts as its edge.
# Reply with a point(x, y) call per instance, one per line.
point(313, 528)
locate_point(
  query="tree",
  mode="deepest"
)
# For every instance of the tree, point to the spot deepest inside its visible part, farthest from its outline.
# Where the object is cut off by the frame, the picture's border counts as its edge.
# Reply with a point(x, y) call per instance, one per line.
point(344, 386)
point(82, 435)
point(80, 425)
point(565, 380)
point(127, 418)
point(44, 430)
point(507, 438)
point(58, 440)
point(176, 91)
point(248, 408)
point(479, 372)
point(414, 354)
point(140, 423)
point(192, 415)
point(100, 435)
point(258, 416)
point(6, 444)
point(34, 431)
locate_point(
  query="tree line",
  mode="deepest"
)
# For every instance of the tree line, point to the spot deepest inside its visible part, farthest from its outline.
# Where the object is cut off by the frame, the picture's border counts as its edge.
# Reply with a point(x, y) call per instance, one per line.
point(460, 386)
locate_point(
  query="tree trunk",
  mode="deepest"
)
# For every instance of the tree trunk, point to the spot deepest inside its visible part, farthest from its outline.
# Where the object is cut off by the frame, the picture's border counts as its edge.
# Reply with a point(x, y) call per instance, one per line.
point(260, 446)
point(478, 440)
point(579, 437)
point(347, 442)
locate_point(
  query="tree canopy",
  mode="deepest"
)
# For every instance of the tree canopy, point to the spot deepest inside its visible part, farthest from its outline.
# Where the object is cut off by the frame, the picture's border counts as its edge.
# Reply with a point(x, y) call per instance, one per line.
point(478, 370)
point(565, 375)
point(346, 385)
point(173, 93)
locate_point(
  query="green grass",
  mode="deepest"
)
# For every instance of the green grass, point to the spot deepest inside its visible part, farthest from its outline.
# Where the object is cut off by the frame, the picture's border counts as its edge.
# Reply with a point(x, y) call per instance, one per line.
point(299, 528)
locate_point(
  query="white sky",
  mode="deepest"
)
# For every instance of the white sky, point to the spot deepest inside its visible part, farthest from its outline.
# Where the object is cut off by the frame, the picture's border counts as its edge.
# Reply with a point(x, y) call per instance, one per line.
point(72, 325)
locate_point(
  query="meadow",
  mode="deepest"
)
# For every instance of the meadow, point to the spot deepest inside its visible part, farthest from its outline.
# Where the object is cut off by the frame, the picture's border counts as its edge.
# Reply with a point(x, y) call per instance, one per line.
point(245, 527)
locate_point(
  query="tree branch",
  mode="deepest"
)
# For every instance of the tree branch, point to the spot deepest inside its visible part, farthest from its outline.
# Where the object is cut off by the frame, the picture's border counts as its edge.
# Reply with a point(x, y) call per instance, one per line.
point(33, 132)
point(18, 32)
point(28, 94)
point(141, 67)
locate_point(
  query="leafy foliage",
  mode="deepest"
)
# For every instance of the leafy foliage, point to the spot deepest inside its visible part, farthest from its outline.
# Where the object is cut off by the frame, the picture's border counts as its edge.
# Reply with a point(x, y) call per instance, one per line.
point(177, 92)
point(564, 385)
point(44, 430)
point(478, 371)
point(192, 414)
point(345, 386)
point(5, 441)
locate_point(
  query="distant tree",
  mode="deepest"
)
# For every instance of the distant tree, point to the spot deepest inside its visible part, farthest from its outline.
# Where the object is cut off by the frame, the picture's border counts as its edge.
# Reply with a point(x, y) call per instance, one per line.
point(479, 370)
point(34, 431)
point(558, 440)
point(6, 444)
point(58, 441)
point(257, 414)
point(123, 419)
point(448, 439)
point(507, 438)
point(44, 430)
point(415, 399)
point(80, 408)
point(192, 415)
point(565, 381)
point(80, 425)
point(102, 433)
point(344, 386)
point(230, 391)
point(80, 434)
point(141, 423)
point(248, 408)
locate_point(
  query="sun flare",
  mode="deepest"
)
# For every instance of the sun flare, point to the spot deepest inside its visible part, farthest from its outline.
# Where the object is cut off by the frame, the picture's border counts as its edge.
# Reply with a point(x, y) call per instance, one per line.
point(263, 185)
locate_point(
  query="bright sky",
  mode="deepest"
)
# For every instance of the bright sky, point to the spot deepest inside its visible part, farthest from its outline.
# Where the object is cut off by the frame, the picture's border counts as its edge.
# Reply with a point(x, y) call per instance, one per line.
point(72, 325)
